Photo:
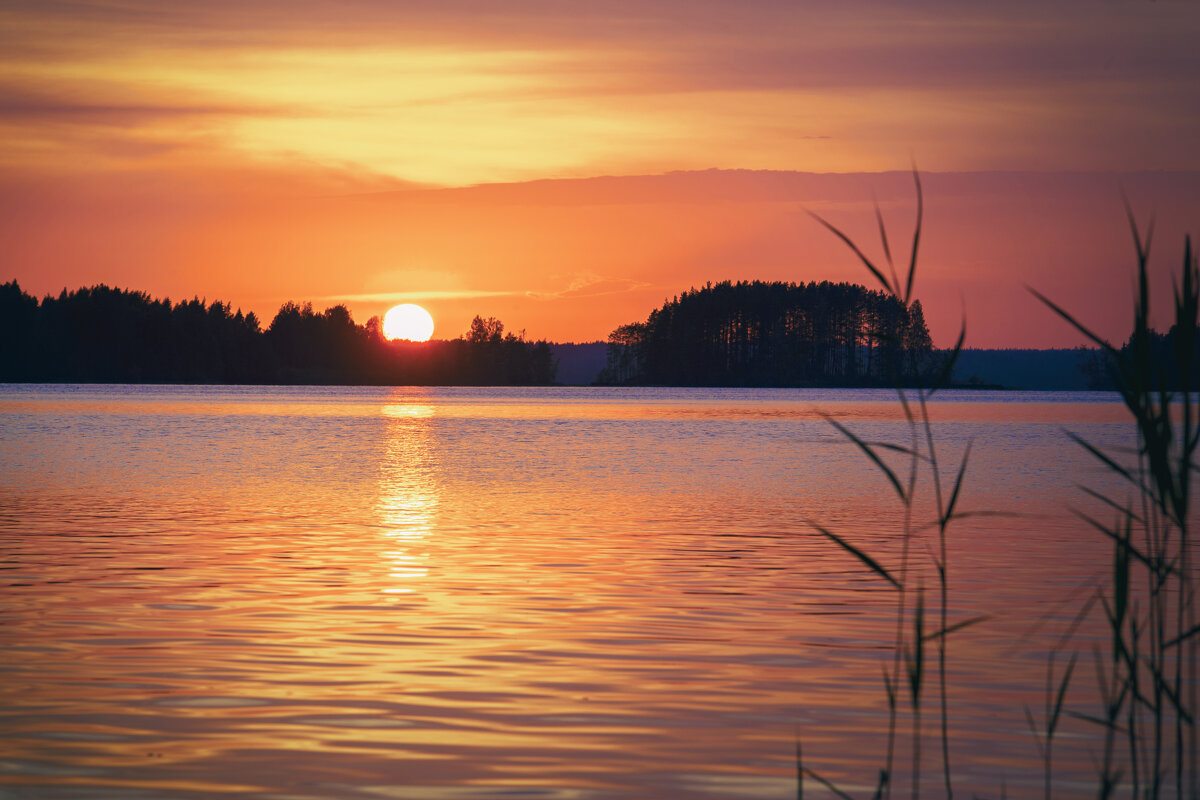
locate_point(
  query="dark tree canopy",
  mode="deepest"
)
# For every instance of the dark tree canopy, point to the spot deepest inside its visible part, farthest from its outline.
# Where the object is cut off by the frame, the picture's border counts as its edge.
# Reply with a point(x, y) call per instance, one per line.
point(106, 335)
point(1163, 352)
point(753, 333)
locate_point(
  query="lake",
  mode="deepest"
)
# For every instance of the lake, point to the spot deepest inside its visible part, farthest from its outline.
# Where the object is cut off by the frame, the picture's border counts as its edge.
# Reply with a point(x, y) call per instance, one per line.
point(586, 593)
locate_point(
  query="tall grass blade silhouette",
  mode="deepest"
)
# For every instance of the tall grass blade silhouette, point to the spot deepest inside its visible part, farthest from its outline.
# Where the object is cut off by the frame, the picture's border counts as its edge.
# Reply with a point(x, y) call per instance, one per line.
point(916, 240)
point(887, 287)
point(887, 250)
point(871, 563)
point(908, 659)
point(1053, 713)
point(914, 664)
point(1148, 682)
point(871, 454)
point(1148, 688)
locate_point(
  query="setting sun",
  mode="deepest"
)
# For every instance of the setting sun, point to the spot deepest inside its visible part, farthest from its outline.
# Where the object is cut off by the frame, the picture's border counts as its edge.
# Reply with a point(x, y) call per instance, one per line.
point(408, 321)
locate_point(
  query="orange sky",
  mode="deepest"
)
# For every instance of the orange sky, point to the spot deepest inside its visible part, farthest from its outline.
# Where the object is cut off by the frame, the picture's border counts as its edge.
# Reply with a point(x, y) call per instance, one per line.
point(375, 152)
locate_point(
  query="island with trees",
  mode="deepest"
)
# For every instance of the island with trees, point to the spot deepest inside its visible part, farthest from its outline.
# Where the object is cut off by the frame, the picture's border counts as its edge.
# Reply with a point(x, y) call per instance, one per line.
point(755, 333)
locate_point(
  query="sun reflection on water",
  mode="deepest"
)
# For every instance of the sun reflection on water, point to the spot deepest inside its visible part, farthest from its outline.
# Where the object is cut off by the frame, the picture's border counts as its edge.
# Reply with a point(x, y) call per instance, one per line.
point(407, 493)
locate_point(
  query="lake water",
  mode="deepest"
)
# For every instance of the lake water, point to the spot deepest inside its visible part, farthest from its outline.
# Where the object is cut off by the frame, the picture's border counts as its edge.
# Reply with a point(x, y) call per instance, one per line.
point(494, 593)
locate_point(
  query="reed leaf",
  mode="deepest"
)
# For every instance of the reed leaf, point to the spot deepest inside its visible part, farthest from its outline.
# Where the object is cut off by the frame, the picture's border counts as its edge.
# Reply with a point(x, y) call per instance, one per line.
point(948, 365)
point(892, 290)
point(1116, 537)
point(799, 771)
point(984, 513)
point(1164, 684)
point(887, 251)
point(1103, 457)
point(1143, 251)
point(1183, 637)
point(890, 688)
point(912, 263)
point(904, 404)
point(958, 482)
point(1121, 579)
point(1037, 734)
point(1103, 344)
point(1126, 510)
point(899, 448)
point(871, 454)
point(915, 657)
point(871, 563)
point(883, 784)
point(827, 784)
point(958, 626)
point(1061, 696)
point(1103, 723)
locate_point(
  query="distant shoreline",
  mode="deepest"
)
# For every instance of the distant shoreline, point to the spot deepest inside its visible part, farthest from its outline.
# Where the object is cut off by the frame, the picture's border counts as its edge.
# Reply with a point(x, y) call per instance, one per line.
point(579, 364)
point(1054, 369)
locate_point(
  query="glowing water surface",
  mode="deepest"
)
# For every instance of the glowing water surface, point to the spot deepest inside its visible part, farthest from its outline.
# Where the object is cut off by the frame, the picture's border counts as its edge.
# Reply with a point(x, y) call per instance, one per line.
point(475, 593)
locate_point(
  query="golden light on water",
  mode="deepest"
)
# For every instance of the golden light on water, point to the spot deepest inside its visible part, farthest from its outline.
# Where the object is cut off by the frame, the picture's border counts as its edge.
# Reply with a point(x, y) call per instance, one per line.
point(408, 494)
point(408, 321)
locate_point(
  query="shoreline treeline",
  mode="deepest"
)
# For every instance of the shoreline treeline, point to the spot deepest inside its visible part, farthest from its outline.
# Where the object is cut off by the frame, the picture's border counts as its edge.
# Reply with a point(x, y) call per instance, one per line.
point(1164, 353)
point(754, 333)
point(106, 335)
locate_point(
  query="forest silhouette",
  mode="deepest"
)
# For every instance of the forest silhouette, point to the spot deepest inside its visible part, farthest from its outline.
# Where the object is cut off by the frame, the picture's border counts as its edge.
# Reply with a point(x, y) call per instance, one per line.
point(725, 334)
point(754, 333)
point(106, 335)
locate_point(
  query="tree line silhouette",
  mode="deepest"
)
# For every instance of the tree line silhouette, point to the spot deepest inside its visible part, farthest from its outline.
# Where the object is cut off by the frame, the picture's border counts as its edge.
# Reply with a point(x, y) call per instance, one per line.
point(1171, 366)
point(106, 335)
point(725, 334)
point(754, 333)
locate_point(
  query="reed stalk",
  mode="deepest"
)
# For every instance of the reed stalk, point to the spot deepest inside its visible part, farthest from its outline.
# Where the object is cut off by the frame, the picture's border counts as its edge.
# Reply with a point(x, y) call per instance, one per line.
point(1148, 680)
point(908, 657)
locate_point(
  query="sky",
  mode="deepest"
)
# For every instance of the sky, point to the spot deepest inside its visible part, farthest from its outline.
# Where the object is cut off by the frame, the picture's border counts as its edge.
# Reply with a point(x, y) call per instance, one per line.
point(567, 167)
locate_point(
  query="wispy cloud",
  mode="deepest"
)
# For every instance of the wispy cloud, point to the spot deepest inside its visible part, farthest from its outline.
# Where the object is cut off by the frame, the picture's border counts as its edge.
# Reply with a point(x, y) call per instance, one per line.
point(592, 286)
point(581, 286)
point(95, 101)
point(469, 91)
point(409, 297)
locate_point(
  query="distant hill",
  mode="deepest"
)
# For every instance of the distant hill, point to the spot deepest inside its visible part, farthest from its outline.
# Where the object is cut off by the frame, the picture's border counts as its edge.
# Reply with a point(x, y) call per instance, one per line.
point(579, 364)
point(1045, 370)
point(1036, 370)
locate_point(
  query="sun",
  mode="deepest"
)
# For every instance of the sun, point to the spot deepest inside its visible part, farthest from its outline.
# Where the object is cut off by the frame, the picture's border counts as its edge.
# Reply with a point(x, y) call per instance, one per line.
point(408, 321)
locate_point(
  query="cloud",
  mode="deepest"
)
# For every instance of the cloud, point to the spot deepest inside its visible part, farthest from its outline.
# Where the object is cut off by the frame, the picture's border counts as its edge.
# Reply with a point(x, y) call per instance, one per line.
point(90, 124)
point(469, 91)
point(108, 104)
point(591, 285)
point(581, 286)
point(427, 295)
